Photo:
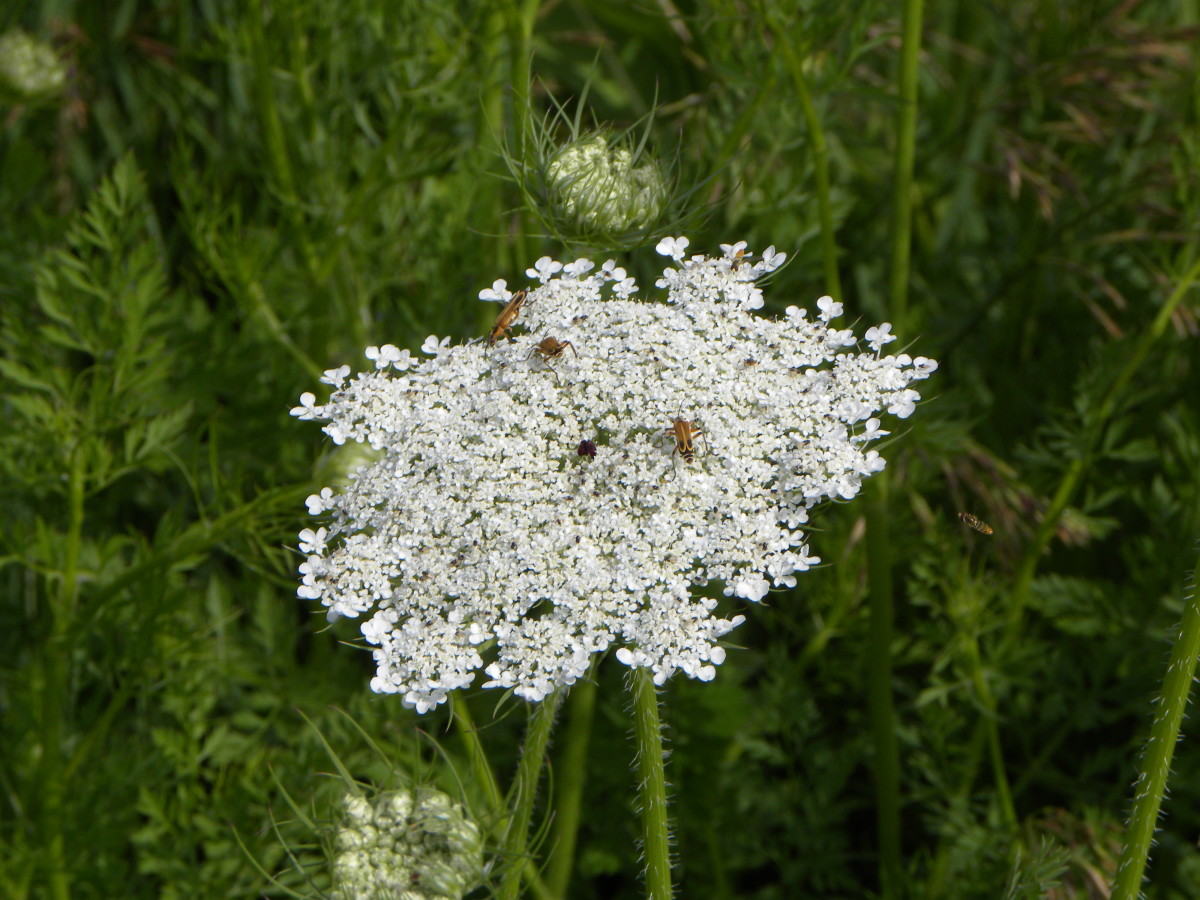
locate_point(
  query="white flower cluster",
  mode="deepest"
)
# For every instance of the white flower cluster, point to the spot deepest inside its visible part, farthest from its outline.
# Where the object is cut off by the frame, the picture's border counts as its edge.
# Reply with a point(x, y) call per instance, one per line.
point(536, 503)
point(406, 845)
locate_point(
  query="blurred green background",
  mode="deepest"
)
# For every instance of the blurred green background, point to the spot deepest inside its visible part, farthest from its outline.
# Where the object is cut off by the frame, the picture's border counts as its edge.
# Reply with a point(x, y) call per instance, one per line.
point(205, 204)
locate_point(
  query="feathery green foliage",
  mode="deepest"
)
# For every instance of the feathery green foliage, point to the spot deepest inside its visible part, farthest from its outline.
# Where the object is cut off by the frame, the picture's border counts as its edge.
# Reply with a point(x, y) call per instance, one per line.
point(223, 199)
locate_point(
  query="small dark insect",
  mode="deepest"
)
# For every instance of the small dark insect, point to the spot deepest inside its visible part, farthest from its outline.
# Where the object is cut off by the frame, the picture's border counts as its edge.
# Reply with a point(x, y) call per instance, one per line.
point(738, 258)
point(507, 316)
point(750, 362)
point(586, 448)
point(975, 522)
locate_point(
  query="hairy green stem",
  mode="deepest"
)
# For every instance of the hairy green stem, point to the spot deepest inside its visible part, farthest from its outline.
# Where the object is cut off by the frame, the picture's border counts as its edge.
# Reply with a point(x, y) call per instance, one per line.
point(481, 769)
point(656, 849)
point(581, 704)
point(881, 707)
point(1156, 761)
point(523, 793)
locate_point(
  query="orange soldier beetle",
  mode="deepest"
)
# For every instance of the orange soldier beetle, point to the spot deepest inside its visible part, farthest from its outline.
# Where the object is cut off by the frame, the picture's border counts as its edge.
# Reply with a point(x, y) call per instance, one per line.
point(507, 316)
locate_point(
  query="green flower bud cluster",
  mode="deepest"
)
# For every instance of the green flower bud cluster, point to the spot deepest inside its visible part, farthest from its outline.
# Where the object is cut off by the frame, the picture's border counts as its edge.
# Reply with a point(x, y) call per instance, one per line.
point(29, 68)
point(413, 844)
point(604, 187)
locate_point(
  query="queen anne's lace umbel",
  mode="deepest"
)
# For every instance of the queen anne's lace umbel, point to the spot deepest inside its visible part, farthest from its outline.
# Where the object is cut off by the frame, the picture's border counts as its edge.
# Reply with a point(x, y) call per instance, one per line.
point(533, 510)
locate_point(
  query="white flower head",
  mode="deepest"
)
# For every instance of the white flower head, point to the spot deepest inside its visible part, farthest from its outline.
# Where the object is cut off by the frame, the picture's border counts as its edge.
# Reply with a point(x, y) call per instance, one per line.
point(532, 507)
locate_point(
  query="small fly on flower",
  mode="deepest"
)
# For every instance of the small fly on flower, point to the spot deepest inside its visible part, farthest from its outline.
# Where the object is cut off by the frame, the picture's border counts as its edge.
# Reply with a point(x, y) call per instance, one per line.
point(975, 522)
point(507, 316)
point(586, 448)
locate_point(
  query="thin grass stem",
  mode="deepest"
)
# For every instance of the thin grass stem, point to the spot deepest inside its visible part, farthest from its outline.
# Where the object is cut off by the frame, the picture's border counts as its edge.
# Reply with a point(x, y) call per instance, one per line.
point(521, 797)
point(581, 704)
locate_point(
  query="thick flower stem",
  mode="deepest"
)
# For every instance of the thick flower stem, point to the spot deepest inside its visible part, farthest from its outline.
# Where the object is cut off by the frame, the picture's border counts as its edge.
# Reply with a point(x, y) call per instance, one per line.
point(523, 794)
point(881, 707)
point(581, 704)
point(652, 784)
point(1156, 762)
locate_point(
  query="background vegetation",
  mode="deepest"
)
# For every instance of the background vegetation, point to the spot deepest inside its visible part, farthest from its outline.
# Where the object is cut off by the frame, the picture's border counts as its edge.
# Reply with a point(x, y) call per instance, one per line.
point(227, 198)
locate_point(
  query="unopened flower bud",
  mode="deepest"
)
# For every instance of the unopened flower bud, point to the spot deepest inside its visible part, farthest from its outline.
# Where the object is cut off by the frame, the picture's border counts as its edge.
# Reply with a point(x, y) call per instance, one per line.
point(598, 186)
point(413, 844)
point(29, 68)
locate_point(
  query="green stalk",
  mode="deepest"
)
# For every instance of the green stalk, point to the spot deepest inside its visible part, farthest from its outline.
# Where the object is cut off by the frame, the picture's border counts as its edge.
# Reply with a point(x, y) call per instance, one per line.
point(522, 795)
point(1156, 762)
point(986, 729)
point(829, 253)
point(581, 702)
point(991, 724)
point(906, 141)
point(521, 22)
point(521, 35)
point(275, 139)
point(880, 704)
point(57, 679)
point(656, 848)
